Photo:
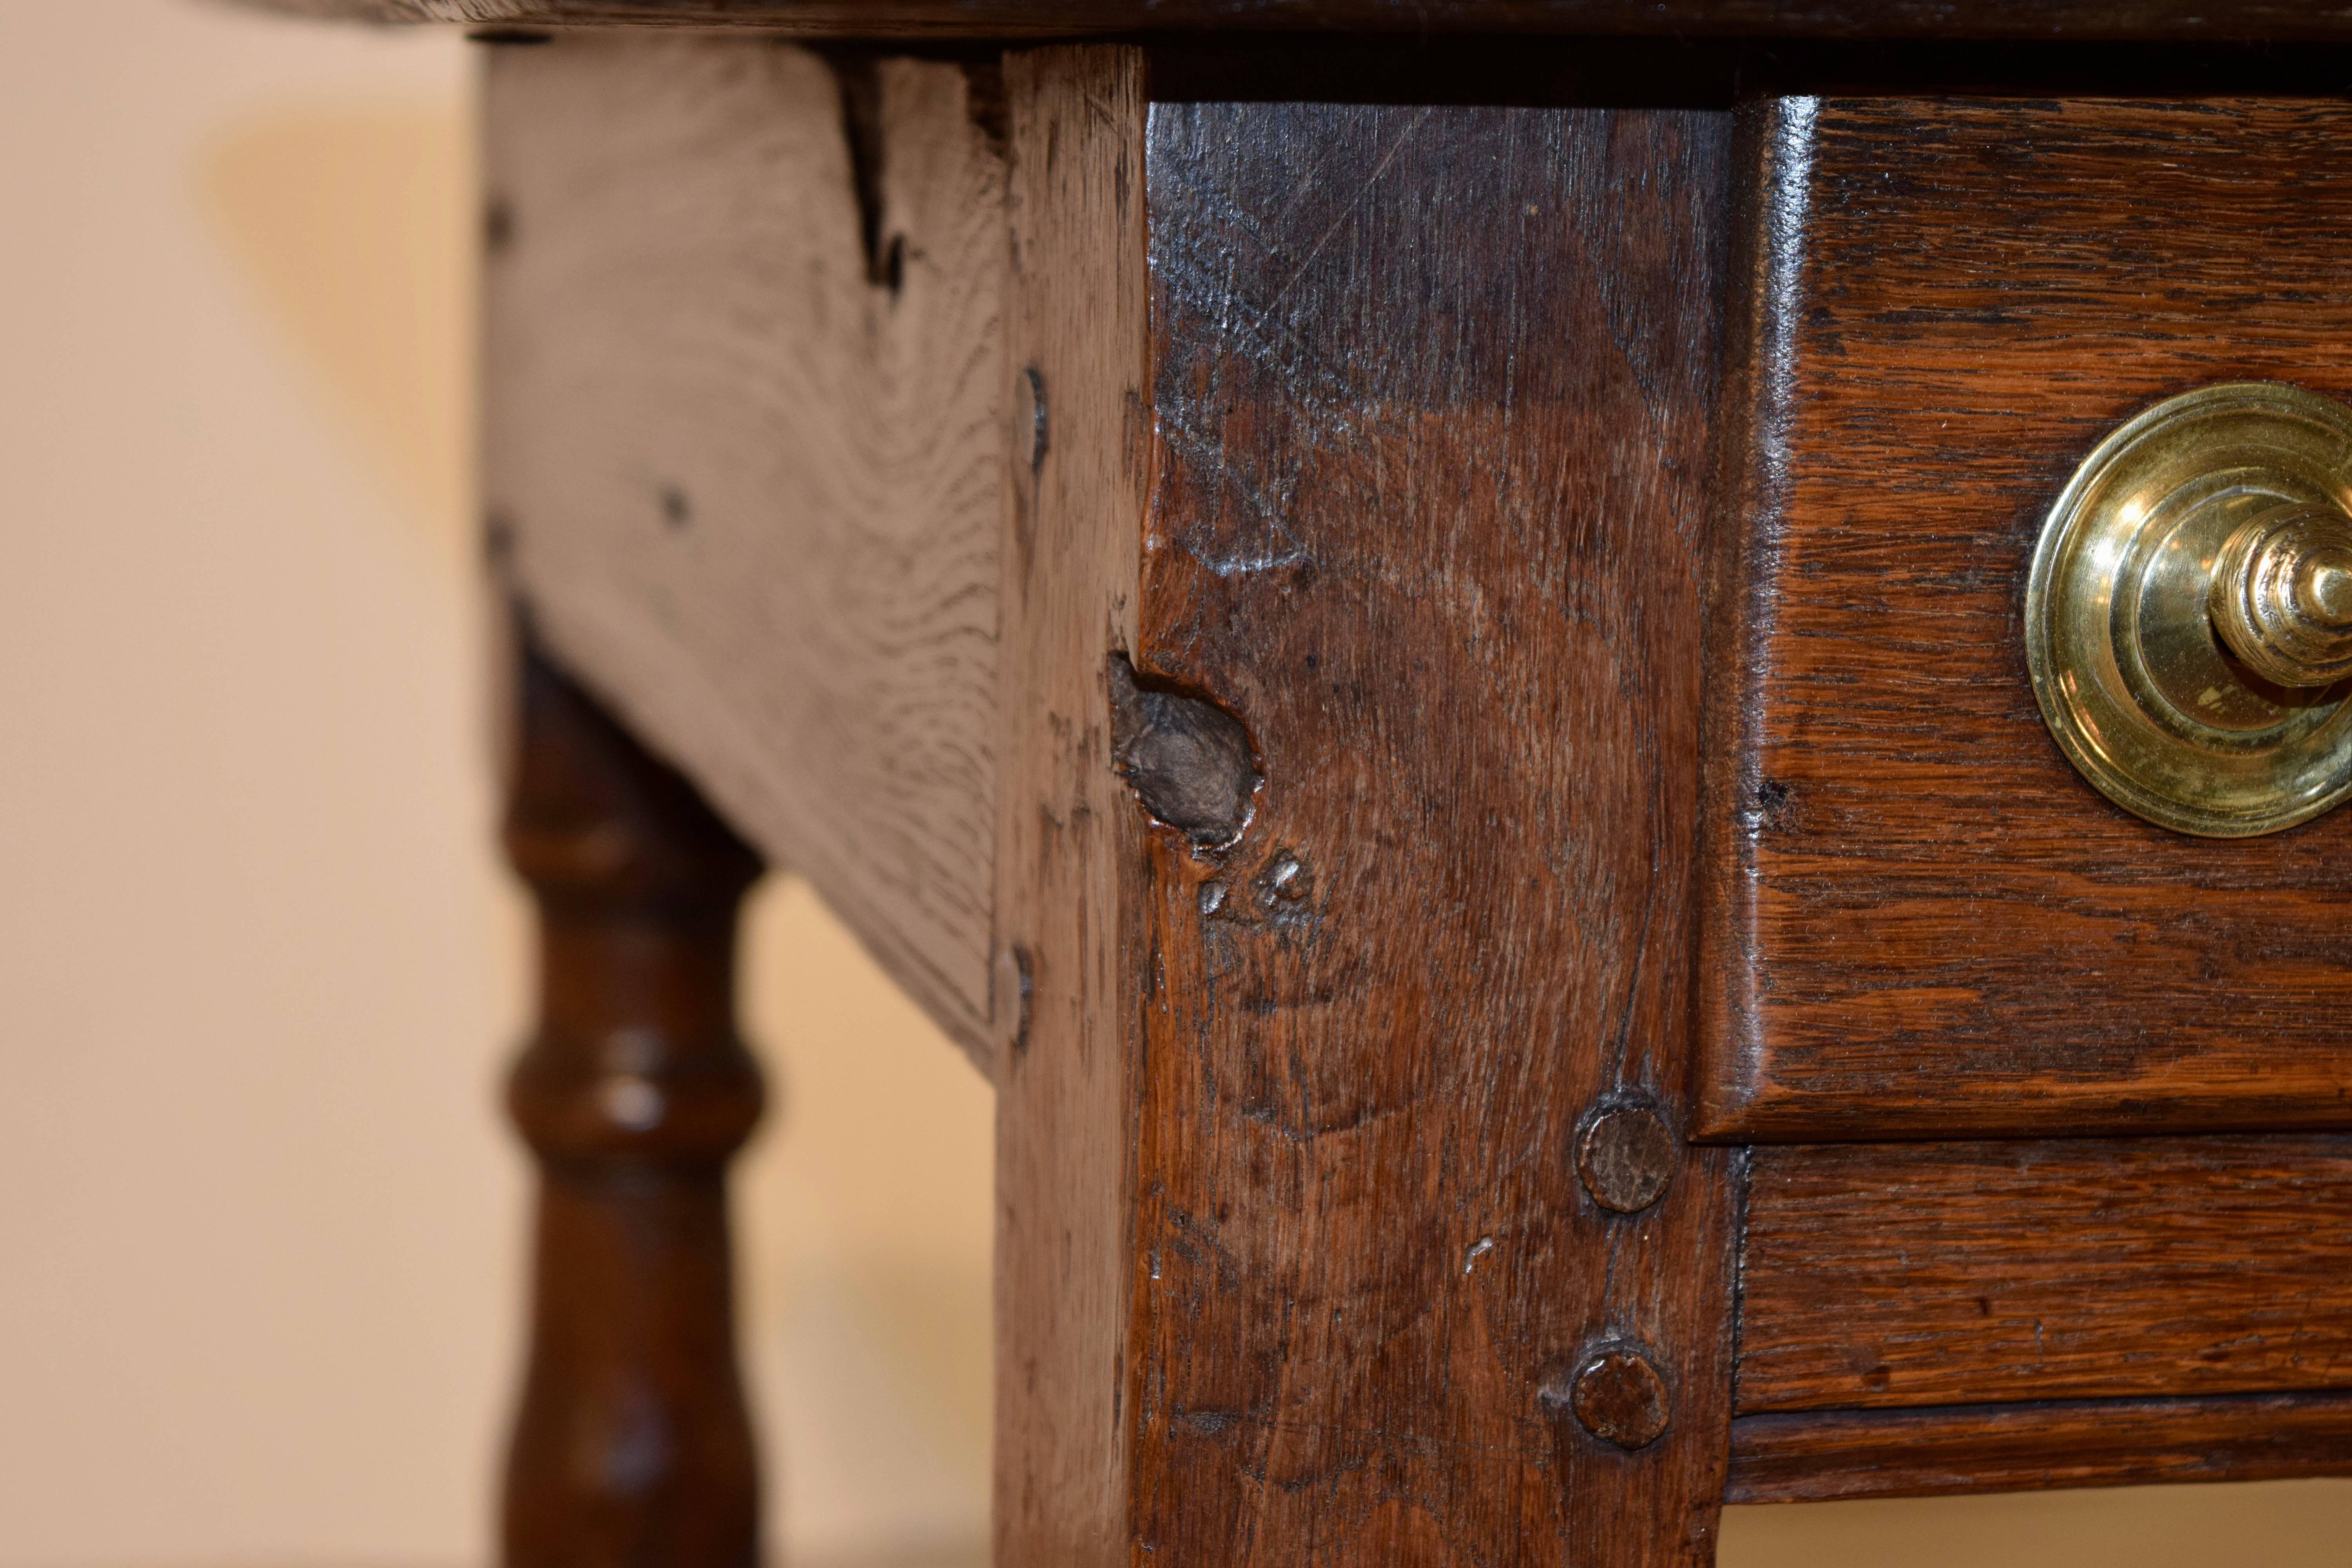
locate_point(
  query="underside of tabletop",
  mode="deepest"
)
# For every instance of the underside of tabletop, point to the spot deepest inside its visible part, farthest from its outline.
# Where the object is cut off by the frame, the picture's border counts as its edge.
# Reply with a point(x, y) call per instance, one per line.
point(2078, 19)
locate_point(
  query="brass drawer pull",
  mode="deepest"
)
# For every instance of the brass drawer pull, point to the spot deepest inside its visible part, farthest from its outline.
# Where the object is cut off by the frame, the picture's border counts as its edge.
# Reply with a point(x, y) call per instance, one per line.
point(2282, 595)
point(2188, 617)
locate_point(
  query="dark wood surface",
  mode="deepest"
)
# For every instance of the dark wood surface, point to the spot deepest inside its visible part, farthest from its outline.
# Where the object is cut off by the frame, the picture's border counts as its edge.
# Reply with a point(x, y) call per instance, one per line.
point(1967, 1273)
point(631, 1444)
point(1431, 390)
point(1828, 1454)
point(1921, 922)
point(982, 18)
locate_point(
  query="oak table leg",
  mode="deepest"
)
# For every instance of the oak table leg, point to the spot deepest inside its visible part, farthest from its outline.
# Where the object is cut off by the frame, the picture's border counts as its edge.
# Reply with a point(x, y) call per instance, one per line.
point(632, 1445)
point(1352, 661)
point(1347, 655)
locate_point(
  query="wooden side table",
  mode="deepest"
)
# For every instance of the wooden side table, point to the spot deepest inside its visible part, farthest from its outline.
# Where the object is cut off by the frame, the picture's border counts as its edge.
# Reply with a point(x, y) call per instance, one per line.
point(1615, 721)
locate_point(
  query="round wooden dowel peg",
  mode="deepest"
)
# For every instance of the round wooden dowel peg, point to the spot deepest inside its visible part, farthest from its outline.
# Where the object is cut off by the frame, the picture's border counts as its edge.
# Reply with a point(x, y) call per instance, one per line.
point(1621, 1399)
point(1029, 430)
point(1625, 1156)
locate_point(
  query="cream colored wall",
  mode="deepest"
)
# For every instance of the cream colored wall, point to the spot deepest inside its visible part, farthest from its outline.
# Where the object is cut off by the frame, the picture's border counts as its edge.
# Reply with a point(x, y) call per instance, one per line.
point(259, 1225)
point(258, 967)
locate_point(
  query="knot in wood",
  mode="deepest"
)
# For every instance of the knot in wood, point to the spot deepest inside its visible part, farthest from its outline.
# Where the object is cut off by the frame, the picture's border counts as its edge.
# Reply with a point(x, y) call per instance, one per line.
point(1189, 760)
point(1626, 1157)
point(1621, 1399)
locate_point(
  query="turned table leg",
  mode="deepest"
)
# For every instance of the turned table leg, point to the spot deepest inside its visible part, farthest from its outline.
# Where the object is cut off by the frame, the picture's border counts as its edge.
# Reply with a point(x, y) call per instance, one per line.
point(632, 1444)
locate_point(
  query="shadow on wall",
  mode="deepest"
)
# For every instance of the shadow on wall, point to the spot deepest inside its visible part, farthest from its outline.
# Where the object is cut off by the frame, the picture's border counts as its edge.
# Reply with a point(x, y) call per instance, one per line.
point(350, 224)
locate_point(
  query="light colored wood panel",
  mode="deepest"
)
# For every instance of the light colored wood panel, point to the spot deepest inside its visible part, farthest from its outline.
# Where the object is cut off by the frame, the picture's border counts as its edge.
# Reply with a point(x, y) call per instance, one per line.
point(748, 470)
point(1072, 844)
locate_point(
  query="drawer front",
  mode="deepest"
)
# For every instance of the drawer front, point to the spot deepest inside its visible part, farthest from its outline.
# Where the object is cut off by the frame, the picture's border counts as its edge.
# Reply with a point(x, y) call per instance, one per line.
point(1884, 1275)
point(1920, 920)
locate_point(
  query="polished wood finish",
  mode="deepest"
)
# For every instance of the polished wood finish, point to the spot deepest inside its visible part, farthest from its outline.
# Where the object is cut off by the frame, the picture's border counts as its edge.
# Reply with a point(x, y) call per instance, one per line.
point(1963, 1273)
point(1431, 394)
point(1014, 19)
point(1921, 923)
point(631, 1446)
point(746, 448)
point(1827, 1453)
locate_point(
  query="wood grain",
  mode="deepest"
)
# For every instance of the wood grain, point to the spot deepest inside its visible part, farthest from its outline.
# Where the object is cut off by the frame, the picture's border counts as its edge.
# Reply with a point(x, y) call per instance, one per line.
point(631, 1444)
point(2028, 1448)
point(1921, 923)
point(747, 450)
point(1071, 847)
point(1015, 18)
point(1429, 400)
point(1966, 1273)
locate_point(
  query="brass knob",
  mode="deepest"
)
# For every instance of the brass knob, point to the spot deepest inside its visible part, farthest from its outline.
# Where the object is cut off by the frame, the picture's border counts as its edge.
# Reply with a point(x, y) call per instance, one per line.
point(2282, 595)
point(2188, 617)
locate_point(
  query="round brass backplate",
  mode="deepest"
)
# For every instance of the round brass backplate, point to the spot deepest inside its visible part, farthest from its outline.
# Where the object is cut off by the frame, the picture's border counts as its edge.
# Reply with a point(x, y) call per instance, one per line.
point(2146, 699)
